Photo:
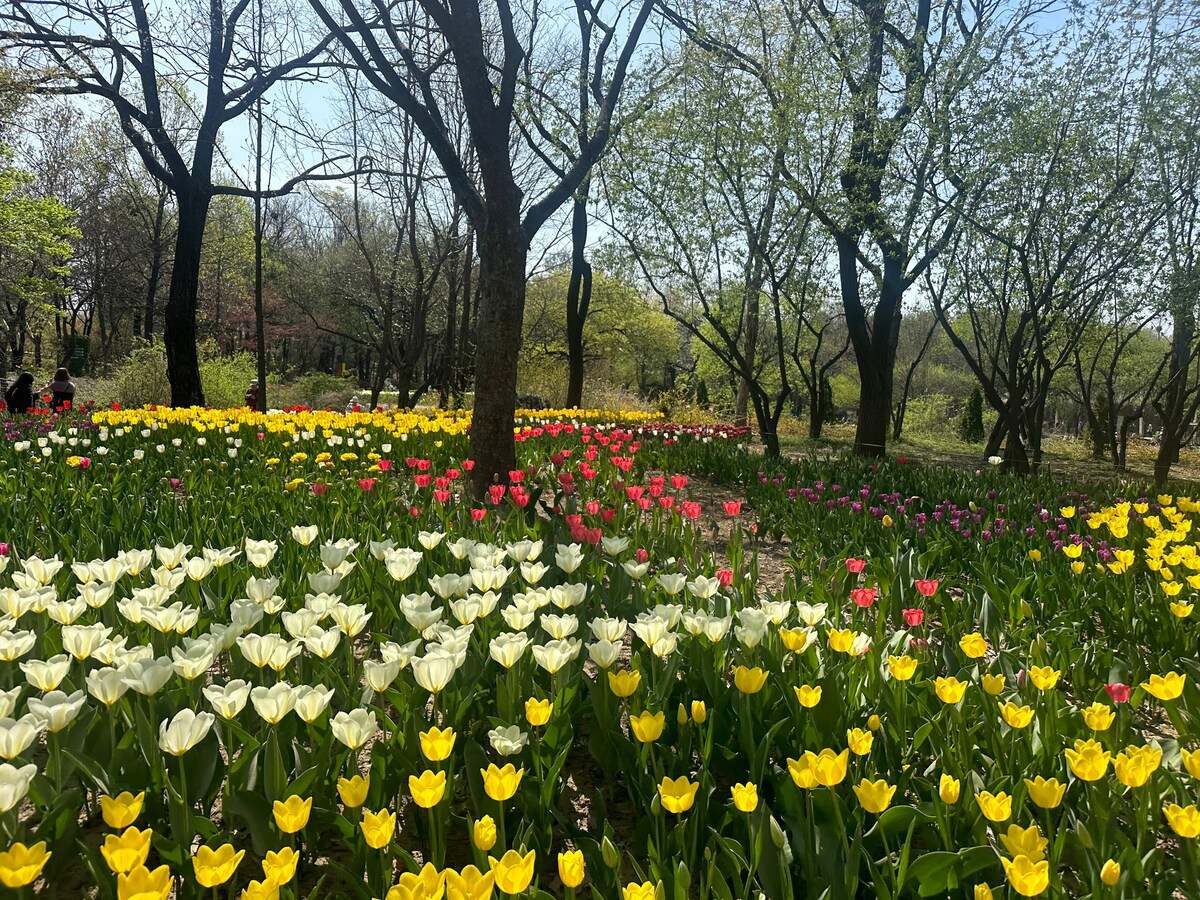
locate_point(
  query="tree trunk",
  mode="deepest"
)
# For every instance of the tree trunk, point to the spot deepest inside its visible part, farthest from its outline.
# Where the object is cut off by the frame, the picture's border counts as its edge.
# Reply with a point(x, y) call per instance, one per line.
point(579, 298)
point(502, 257)
point(156, 260)
point(750, 348)
point(179, 333)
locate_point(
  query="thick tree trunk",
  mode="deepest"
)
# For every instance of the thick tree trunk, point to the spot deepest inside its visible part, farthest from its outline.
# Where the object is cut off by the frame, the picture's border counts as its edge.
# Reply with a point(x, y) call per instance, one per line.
point(502, 257)
point(179, 333)
point(579, 298)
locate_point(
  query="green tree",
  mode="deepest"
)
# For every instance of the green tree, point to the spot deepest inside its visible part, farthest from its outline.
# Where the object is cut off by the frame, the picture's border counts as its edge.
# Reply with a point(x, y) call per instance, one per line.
point(970, 420)
point(35, 251)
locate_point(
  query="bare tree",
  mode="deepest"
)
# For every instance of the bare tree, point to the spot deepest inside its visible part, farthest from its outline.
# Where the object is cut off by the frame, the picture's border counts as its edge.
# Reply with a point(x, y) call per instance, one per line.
point(128, 55)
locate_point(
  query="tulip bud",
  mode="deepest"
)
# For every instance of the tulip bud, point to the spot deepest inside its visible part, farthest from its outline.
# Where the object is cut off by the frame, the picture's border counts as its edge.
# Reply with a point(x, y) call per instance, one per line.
point(778, 838)
point(656, 805)
point(1110, 872)
point(683, 877)
point(874, 723)
point(682, 715)
point(699, 712)
point(612, 856)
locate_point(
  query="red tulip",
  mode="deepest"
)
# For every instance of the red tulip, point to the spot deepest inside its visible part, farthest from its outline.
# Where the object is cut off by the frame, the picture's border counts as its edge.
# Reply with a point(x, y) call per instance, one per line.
point(926, 587)
point(478, 514)
point(913, 617)
point(366, 483)
point(319, 488)
point(733, 507)
point(725, 576)
point(854, 566)
point(863, 597)
point(1118, 693)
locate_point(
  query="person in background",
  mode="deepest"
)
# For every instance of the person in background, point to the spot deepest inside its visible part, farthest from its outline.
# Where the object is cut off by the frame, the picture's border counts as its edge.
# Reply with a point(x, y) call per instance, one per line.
point(19, 396)
point(252, 395)
point(62, 390)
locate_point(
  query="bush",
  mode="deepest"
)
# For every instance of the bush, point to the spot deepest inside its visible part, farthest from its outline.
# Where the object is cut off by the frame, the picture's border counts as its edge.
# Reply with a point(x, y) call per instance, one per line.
point(970, 421)
point(318, 390)
point(142, 380)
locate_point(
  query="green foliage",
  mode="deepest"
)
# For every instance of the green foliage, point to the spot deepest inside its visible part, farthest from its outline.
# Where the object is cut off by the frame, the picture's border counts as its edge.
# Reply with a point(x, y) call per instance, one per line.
point(317, 390)
point(142, 381)
point(35, 234)
point(970, 420)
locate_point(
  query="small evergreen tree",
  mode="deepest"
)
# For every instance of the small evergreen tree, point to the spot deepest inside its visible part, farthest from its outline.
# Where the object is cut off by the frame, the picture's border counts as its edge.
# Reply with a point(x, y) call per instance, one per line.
point(970, 420)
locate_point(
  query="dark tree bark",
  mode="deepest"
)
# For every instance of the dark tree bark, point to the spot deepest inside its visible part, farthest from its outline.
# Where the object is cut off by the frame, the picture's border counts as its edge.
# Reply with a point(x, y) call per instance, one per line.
point(579, 298)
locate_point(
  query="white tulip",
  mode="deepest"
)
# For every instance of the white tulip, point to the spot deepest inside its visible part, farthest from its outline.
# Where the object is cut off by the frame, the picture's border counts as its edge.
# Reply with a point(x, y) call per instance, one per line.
point(461, 548)
point(199, 567)
point(96, 594)
point(171, 557)
point(47, 675)
point(673, 582)
point(260, 553)
point(334, 553)
point(106, 684)
point(604, 653)
point(17, 734)
point(16, 644)
point(776, 610)
point(304, 534)
point(668, 612)
point(260, 590)
point(635, 570)
point(401, 653)
point(187, 729)
point(508, 741)
point(299, 622)
point(354, 728)
point(228, 700)
point(402, 563)
point(430, 539)
point(56, 709)
point(273, 703)
point(614, 546)
point(312, 702)
point(552, 656)
point(321, 642)
point(608, 629)
point(568, 557)
point(324, 582)
point(14, 784)
point(42, 571)
point(8, 701)
point(380, 675)
point(649, 629)
point(81, 641)
point(351, 619)
point(813, 614)
point(703, 588)
point(559, 627)
point(147, 676)
point(507, 649)
point(434, 670)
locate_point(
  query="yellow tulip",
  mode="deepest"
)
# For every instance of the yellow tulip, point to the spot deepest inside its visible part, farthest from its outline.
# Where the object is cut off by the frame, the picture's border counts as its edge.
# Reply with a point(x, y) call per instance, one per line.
point(1182, 610)
point(808, 695)
point(1077, 567)
point(1044, 678)
point(859, 741)
point(1191, 762)
point(483, 833)
point(902, 668)
point(699, 712)
point(973, 645)
point(803, 770)
point(623, 684)
point(749, 681)
point(265, 889)
point(427, 789)
point(647, 890)
point(995, 807)
point(513, 871)
point(1098, 716)
point(124, 853)
point(1165, 687)
point(428, 884)
point(1020, 841)
point(874, 796)
point(830, 767)
point(677, 794)
point(1110, 872)
point(353, 791)
point(745, 797)
point(1184, 820)
point(215, 867)
point(143, 884)
point(1028, 878)
point(841, 641)
point(501, 784)
point(1134, 766)
point(377, 828)
point(292, 814)
point(647, 727)
point(122, 810)
point(437, 743)
point(1016, 716)
point(537, 712)
point(874, 722)
point(1045, 792)
point(20, 865)
point(279, 866)
point(1088, 760)
point(949, 789)
point(795, 639)
point(571, 868)
point(993, 684)
point(469, 884)
point(982, 891)
point(949, 690)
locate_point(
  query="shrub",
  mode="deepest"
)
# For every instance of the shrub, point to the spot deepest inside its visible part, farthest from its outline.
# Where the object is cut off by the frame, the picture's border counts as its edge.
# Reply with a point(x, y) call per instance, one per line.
point(970, 420)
